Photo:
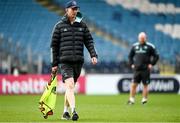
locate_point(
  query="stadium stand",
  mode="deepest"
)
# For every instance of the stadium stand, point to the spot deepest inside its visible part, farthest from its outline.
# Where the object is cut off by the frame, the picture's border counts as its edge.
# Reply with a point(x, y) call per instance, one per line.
point(127, 23)
point(27, 22)
point(31, 24)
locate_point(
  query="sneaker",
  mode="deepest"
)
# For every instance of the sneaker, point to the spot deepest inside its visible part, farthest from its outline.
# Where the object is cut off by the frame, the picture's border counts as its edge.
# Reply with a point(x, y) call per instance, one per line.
point(66, 116)
point(144, 101)
point(130, 102)
point(75, 116)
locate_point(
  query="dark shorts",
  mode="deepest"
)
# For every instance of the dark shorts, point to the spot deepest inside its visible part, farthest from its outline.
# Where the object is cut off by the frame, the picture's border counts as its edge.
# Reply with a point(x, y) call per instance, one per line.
point(141, 76)
point(69, 70)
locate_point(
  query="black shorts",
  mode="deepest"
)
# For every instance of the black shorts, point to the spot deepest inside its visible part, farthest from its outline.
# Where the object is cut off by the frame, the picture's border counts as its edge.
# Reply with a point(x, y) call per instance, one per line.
point(69, 70)
point(141, 76)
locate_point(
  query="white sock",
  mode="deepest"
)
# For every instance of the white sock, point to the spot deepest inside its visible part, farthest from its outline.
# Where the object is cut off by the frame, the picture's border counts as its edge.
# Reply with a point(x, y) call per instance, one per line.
point(72, 110)
point(132, 99)
point(144, 99)
point(65, 109)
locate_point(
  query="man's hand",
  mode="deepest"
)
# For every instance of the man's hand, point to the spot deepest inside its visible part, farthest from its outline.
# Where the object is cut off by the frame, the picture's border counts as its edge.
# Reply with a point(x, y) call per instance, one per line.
point(150, 66)
point(94, 60)
point(132, 66)
point(54, 69)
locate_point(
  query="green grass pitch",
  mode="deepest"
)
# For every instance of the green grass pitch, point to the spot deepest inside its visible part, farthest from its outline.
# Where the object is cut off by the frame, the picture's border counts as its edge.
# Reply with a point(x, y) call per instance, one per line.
point(160, 108)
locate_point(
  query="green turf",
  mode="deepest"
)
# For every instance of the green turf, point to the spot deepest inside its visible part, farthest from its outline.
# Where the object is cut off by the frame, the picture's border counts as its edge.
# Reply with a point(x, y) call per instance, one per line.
point(160, 108)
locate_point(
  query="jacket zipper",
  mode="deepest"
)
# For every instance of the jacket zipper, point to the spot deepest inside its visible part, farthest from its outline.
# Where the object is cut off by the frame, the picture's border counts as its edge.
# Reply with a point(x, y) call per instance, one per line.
point(74, 54)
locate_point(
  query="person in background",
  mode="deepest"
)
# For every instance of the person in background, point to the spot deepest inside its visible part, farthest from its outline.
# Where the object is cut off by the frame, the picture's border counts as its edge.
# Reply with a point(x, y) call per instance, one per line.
point(143, 55)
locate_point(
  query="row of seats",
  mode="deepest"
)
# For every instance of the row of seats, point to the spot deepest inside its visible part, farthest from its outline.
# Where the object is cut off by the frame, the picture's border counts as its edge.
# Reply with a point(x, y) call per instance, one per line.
point(174, 2)
point(107, 51)
point(146, 6)
point(27, 22)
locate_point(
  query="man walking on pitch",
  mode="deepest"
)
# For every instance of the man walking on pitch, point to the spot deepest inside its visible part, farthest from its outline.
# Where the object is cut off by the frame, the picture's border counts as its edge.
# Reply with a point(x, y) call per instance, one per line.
point(142, 57)
point(68, 40)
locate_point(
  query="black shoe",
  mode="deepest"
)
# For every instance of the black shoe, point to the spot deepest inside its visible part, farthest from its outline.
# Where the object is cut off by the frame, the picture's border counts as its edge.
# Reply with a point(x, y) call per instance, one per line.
point(75, 116)
point(130, 102)
point(66, 116)
point(144, 102)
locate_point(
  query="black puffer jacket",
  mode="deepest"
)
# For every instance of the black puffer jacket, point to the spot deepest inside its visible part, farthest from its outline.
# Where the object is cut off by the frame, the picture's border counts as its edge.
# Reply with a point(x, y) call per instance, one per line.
point(68, 42)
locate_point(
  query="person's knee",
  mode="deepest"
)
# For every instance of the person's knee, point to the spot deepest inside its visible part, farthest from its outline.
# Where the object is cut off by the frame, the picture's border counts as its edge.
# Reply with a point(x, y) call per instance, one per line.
point(134, 85)
point(145, 86)
point(69, 84)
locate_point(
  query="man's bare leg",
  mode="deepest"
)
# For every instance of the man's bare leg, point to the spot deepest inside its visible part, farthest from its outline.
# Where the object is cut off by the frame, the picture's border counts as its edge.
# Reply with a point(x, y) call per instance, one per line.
point(132, 93)
point(69, 98)
point(69, 94)
point(145, 94)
